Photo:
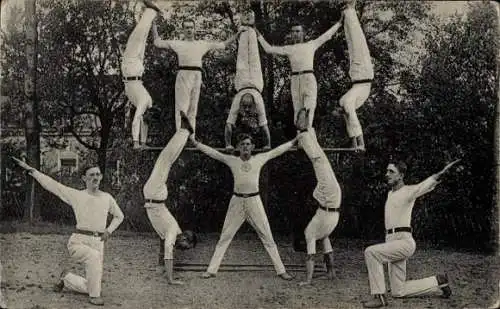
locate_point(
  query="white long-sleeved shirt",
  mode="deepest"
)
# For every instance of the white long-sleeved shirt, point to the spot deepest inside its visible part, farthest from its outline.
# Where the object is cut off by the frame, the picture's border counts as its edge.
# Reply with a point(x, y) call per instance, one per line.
point(91, 211)
point(189, 53)
point(301, 55)
point(399, 204)
point(245, 173)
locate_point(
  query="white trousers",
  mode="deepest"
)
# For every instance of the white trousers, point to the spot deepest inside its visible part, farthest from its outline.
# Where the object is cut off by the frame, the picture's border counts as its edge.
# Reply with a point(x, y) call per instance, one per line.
point(156, 185)
point(360, 62)
point(165, 225)
point(304, 94)
point(397, 248)
point(140, 98)
point(187, 94)
point(351, 101)
point(360, 68)
point(88, 250)
point(133, 65)
point(240, 210)
point(248, 67)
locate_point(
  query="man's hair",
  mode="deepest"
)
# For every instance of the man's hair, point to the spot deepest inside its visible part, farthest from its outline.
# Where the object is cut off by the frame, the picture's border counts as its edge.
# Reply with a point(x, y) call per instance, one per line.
point(189, 20)
point(401, 166)
point(244, 136)
point(191, 239)
point(248, 95)
point(297, 25)
point(83, 169)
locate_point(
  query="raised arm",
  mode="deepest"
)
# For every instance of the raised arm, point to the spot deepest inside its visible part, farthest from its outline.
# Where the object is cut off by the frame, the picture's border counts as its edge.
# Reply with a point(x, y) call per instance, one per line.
point(278, 151)
point(209, 151)
point(430, 183)
point(66, 194)
point(327, 35)
point(158, 42)
point(278, 50)
point(226, 43)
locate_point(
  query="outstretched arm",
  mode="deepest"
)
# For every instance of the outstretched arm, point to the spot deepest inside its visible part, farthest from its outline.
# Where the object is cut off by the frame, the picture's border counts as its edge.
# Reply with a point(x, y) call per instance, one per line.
point(278, 50)
point(430, 183)
point(209, 151)
point(278, 151)
point(65, 193)
point(327, 35)
point(158, 42)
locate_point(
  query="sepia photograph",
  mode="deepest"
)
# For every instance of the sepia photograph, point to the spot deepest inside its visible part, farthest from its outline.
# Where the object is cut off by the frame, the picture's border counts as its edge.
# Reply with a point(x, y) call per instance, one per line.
point(249, 154)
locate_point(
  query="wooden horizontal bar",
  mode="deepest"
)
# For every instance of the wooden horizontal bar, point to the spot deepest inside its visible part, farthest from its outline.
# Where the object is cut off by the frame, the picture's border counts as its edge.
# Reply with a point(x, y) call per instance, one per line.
point(257, 150)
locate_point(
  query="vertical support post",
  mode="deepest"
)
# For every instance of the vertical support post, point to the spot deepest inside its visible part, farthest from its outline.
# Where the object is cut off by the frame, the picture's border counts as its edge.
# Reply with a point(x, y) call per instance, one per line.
point(32, 127)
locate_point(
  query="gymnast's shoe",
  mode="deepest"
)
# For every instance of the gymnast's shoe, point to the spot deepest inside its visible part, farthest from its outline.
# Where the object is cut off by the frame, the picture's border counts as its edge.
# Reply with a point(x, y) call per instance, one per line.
point(285, 276)
point(378, 301)
point(59, 286)
point(443, 284)
point(150, 4)
point(207, 275)
point(96, 301)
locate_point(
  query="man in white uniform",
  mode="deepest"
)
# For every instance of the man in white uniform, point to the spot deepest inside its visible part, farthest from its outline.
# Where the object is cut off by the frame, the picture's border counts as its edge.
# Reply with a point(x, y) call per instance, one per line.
point(189, 78)
point(301, 55)
point(248, 83)
point(132, 67)
point(360, 72)
point(399, 244)
point(329, 196)
point(86, 245)
point(245, 205)
point(155, 193)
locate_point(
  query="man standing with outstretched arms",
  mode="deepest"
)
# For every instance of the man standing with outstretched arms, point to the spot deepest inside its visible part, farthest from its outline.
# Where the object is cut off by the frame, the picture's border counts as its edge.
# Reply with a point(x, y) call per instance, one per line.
point(245, 205)
point(301, 55)
point(399, 243)
point(189, 78)
point(86, 245)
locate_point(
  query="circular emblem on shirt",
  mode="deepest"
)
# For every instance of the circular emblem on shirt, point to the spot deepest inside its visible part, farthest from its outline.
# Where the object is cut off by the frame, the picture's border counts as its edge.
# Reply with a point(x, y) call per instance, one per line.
point(246, 167)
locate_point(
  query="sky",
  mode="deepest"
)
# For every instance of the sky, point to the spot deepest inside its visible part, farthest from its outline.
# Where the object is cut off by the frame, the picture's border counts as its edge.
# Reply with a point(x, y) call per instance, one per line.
point(442, 8)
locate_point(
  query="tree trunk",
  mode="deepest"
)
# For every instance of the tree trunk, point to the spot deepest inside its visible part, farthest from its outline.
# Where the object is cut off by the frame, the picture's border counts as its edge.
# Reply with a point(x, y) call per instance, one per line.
point(103, 147)
point(496, 158)
point(496, 183)
point(32, 127)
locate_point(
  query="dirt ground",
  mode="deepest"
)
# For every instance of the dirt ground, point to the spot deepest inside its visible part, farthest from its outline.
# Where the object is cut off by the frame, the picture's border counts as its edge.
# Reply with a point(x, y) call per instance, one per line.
point(32, 263)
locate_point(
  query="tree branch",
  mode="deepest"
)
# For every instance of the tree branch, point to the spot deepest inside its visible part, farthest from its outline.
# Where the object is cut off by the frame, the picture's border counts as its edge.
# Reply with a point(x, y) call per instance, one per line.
point(79, 138)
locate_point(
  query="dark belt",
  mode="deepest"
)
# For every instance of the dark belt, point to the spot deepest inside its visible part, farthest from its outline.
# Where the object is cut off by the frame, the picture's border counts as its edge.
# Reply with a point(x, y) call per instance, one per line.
point(249, 87)
point(155, 201)
point(190, 68)
point(361, 81)
point(398, 229)
point(89, 233)
point(302, 72)
point(127, 78)
point(245, 195)
point(329, 209)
